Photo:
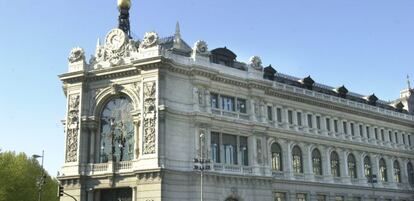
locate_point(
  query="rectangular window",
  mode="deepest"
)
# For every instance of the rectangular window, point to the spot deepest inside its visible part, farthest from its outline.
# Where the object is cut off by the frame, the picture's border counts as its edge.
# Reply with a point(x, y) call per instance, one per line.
point(280, 196)
point(321, 198)
point(227, 103)
point(403, 138)
point(310, 125)
point(290, 117)
point(361, 131)
point(269, 113)
point(215, 147)
point(356, 199)
point(376, 133)
point(328, 124)
point(230, 149)
point(409, 140)
point(344, 125)
point(339, 198)
point(390, 136)
point(214, 101)
point(318, 122)
point(396, 137)
point(368, 133)
point(300, 197)
point(299, 118)
point(382, 135)
point(336, 126)
point(352, 129)
point(241, 105)
point(279, 115)
point(244, 151)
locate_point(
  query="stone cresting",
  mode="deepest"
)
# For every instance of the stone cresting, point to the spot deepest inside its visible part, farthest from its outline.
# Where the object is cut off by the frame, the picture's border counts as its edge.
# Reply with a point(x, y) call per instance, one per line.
point(72, 129)
point(150, 116)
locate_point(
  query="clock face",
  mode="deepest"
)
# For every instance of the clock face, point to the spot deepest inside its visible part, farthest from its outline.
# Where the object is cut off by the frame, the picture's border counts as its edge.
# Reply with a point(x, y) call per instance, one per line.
point(115, 39)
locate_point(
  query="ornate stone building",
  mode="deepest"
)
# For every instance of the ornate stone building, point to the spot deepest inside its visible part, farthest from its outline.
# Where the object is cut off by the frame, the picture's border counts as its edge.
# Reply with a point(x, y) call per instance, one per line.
point(140, 111)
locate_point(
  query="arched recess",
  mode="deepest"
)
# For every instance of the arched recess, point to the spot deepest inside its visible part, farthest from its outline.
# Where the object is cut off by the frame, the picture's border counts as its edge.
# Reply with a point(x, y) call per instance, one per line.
point(276, 157)
point(316, 162)
point(116, 134)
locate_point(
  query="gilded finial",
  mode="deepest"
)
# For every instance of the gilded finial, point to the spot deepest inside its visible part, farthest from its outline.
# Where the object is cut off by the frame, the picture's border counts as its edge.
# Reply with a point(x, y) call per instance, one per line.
point(124, 4)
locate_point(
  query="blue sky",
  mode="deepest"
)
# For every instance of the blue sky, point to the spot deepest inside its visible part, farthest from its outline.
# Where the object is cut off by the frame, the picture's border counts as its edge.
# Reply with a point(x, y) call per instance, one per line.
point(366, 45)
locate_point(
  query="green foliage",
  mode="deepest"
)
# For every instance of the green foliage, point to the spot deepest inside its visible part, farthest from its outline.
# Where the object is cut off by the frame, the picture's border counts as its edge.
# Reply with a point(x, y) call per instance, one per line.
point(19, 175)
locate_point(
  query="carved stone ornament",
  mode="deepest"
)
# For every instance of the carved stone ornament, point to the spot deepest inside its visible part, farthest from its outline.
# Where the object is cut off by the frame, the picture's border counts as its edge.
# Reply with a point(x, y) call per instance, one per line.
point(201, 47)
point(76, 54)
point(117, 47)
point(150, 117)
point(115, 89)
point(256, 62)
point(150, 40)
point(72, 129)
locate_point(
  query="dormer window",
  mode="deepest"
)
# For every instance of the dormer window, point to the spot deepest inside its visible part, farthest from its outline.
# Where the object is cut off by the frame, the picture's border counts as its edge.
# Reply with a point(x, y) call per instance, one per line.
point(223, 56)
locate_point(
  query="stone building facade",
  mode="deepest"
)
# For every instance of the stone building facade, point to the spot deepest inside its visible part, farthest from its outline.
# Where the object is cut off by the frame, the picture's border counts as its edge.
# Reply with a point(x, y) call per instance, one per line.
point(139, 112)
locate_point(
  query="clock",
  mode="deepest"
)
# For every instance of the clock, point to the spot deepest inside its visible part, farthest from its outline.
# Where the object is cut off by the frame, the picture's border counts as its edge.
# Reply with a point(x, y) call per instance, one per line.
point(115, 39)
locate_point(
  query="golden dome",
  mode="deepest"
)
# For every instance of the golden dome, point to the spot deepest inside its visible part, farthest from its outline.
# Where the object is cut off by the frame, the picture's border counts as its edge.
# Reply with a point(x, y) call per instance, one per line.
point(124, 4)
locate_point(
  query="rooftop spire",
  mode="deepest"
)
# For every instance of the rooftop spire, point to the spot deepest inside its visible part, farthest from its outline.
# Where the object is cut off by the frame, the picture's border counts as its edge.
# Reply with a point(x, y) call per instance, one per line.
point(177, 31)
point(123, 19)
point(408, 82)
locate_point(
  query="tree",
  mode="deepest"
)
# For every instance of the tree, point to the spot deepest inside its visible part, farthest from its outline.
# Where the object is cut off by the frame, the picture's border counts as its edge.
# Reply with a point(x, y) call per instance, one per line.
point(19, 175)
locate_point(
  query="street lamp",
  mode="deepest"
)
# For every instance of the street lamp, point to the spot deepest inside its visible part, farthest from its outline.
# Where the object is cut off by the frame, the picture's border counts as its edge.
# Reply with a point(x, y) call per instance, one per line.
point(201, 164)
point(41, 181)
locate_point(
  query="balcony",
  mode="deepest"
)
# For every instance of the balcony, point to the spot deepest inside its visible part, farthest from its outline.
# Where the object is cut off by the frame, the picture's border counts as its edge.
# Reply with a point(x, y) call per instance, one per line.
point(232, 169)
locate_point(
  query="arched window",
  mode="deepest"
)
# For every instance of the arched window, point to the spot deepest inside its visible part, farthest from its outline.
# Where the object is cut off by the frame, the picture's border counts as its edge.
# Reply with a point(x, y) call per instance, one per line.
point(367, 167)
point(117, 130)
point(297, 160)
point(276, 157)
point(383, 170)
point(335, 164)
point(397, 172)
point(410, 172)
point(352, 171)
point(316, 162)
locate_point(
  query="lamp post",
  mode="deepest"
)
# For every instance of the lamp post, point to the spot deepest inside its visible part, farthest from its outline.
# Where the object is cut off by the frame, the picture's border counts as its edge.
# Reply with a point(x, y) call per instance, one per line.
point(42, 176)
point(201, 164)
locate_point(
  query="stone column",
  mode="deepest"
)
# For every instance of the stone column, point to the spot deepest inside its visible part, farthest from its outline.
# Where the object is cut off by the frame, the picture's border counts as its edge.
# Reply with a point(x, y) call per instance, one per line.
point(375, 168)
point(137, 131)
point(326, 163)
point(323, 126)
point(360, 168)
point(404, 173)
point(343, 166)
point(285, 118)
point(307, 162)
point(295, 120)
point(287, 158)
point(390, 171)
point(208, 101)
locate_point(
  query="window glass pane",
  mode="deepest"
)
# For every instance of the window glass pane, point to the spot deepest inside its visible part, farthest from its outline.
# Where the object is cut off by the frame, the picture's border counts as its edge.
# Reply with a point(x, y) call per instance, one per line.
point(389, 135)
point(344, 125)
point(376, 133)
point(352, 166)
point(336, 125)
point(383, 170)
point(328, 124)
point(316, 162)
point(321, 198)
point(368, 133)
point(117, 130)
point(280, 196)
point(227, 103)
point(410, 172)
point(290, 117)
point(339, 198)
point(367, 167)
point(230, 149)
point(352, 129)
point(397, 172)
point(300, 197)
point(269, 113)
point(244, 151)
point(241, 105)
point(279, 115)
point(276, 157)
point(360, 130)
point(215, 147)
point(297, 160)
point(335, 164)
point(318, 122)
point(214, 101)
point(310, 121)
point(396, 137)
point(299, 118)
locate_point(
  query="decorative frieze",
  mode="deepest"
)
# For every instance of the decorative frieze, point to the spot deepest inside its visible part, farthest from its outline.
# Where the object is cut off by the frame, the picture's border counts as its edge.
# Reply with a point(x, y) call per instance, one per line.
point(150, 117)
point(72, 128)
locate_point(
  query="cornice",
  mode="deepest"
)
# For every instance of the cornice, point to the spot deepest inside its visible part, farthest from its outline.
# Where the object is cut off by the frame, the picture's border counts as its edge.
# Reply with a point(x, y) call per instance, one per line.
point(266, 86)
